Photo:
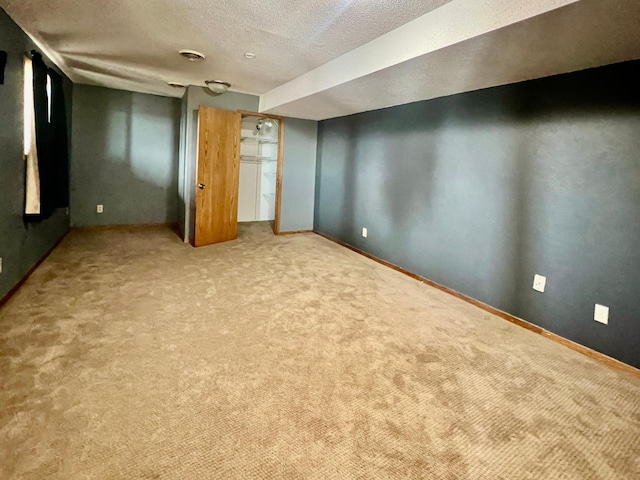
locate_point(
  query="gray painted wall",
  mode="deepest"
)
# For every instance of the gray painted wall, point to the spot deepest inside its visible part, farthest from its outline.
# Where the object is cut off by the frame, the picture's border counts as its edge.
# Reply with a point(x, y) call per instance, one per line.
point(125, 157)
point(482, 190)
point(182, 153)
point(21, 245)
point(298, 175)
point(197, 96)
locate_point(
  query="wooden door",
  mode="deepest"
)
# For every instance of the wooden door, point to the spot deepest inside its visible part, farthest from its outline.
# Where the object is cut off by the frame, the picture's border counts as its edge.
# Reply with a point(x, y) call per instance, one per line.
point(217, 176)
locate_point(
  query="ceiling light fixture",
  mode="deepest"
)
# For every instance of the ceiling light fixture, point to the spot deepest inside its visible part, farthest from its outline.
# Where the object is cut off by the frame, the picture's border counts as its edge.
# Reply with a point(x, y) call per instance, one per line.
point(192, 55)
point(217, 86)
point(175, 85)
point(249, 55)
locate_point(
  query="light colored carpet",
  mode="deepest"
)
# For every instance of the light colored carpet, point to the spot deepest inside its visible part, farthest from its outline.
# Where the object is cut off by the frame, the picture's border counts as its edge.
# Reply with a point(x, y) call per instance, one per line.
point(129, 355)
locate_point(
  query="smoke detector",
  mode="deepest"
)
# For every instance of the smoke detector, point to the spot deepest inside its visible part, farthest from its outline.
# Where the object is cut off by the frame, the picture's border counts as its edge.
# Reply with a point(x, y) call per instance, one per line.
point(192, 55)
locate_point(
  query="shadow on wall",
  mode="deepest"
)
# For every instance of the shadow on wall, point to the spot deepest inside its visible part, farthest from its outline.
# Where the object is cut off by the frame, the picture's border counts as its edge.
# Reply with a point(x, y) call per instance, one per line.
point(480, 191)
point(125, 157)
point(575, 213)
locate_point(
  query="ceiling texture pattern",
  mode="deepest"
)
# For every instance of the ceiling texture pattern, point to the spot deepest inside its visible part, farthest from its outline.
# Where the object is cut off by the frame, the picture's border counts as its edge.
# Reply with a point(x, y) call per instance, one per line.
point(319, 59)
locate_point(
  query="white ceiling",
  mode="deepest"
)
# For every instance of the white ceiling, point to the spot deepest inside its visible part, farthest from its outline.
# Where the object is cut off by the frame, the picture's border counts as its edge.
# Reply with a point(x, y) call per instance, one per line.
point(324, 58)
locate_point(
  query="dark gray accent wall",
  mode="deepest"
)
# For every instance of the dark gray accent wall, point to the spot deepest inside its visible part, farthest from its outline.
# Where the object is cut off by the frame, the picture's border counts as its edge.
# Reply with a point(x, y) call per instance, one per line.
point(298, 175)
point(21, 245)
point(480, 191)
point(125, 157)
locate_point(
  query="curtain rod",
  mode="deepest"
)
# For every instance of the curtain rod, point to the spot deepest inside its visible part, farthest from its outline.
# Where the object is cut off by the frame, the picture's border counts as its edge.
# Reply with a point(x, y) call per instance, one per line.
point(29, 56)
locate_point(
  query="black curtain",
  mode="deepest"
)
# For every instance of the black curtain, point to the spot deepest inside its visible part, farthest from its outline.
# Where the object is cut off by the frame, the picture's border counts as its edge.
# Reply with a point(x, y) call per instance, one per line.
point(51, 140)
point(59, 143)
point(3, 62)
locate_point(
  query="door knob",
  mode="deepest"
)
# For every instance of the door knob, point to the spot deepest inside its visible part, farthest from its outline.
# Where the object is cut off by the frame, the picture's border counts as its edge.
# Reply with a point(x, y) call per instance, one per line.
point(201, 186)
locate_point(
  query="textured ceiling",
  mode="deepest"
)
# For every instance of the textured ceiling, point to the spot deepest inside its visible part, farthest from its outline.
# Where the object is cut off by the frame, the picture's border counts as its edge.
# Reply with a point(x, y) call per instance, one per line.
point(319, 59)
point(583, 35)
point(133, 44)
point(448, 25)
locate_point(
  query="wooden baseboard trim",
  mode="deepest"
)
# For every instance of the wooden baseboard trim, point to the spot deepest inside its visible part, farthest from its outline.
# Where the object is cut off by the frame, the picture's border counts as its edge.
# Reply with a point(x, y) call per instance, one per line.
point(295, 232)
point(600, 357)
point(25, 277)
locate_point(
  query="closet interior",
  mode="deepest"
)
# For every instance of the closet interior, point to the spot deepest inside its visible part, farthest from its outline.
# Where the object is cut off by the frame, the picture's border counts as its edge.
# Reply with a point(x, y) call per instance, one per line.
point(259, 151)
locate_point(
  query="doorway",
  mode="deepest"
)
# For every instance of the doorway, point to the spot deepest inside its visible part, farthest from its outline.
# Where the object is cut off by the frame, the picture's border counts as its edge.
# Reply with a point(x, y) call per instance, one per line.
point(260, 168)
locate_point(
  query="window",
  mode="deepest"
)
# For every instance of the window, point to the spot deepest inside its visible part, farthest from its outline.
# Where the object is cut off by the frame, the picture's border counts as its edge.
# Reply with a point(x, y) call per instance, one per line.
point(48, 98)
point(32, 186)
point(46, 149)
point(28, 106)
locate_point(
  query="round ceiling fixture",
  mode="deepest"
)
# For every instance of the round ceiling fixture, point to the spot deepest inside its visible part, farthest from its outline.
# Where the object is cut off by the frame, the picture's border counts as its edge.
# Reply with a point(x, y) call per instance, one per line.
point(217, 86)
point(176, 85)
point(192, 55)
point(250, 55)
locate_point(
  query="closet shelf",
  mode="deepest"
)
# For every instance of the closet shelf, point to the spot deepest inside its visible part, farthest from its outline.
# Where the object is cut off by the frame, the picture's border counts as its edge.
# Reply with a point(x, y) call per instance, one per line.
point(260, 140)
point(256, 158)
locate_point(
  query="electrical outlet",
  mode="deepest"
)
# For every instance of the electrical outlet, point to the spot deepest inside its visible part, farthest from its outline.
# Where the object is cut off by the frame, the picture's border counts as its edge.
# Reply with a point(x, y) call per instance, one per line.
point(99, 208)
point(539, 283)
point(601, 314)
point(364, 232)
